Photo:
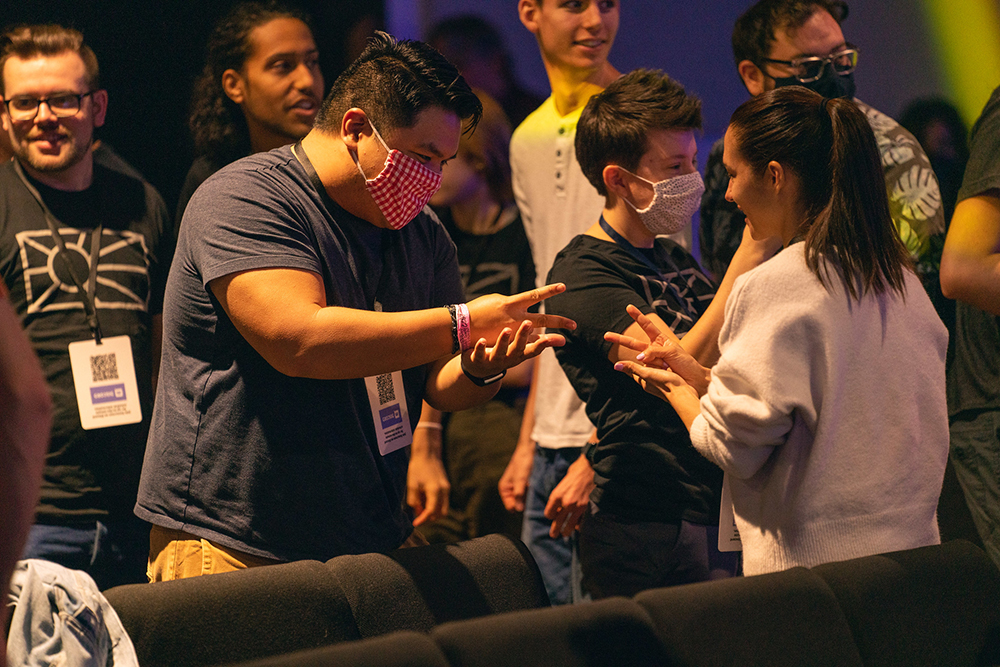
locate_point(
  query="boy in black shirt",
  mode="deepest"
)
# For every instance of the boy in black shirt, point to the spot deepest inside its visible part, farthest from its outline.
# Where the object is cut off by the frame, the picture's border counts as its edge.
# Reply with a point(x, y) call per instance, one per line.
point(655, 497)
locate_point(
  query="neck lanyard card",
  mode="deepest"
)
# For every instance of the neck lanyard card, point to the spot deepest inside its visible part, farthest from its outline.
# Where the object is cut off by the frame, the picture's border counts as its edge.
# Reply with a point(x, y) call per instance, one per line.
point(387, 399)
point(729, 534)
point(107, 393)
point(104, 375)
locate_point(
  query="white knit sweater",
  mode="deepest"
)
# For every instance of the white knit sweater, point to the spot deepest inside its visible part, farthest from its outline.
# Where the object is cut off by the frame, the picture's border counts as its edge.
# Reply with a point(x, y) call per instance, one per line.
point(828, 416)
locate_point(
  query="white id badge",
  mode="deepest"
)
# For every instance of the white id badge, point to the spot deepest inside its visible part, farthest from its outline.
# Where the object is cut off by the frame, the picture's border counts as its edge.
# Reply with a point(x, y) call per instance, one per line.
point(729, 535)
point(104, 375)
point(388, 404)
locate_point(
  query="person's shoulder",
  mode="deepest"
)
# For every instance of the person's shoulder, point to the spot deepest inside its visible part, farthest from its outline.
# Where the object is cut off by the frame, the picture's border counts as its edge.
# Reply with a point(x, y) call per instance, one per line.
point(582, 255)
point(884, 125)
point(267, 167)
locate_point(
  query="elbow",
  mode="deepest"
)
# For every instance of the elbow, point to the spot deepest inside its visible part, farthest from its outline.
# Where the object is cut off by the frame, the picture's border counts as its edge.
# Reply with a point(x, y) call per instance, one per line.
point(952, 277)
point(949, 278)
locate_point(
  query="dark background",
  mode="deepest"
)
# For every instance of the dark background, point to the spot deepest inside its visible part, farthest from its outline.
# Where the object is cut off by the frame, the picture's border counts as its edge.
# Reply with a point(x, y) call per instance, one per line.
point(150, 54)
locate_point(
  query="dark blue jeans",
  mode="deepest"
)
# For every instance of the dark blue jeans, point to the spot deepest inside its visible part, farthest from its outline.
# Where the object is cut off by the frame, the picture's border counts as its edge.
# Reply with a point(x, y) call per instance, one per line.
point(555, 556)
point(113, 553)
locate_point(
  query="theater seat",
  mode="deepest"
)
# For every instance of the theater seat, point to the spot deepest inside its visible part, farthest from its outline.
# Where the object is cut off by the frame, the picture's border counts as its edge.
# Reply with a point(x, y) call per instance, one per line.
point(608, 633)
point(417, 589)
point(785, 619)
point(937, 605)
point(234, 616)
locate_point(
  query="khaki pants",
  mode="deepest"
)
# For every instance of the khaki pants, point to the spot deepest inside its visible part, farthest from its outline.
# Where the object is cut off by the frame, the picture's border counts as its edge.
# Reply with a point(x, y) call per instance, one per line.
point(174, 554)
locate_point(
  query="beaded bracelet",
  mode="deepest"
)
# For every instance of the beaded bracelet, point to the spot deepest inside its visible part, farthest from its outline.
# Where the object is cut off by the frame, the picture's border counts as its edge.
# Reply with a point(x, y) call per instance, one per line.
point(453, 311)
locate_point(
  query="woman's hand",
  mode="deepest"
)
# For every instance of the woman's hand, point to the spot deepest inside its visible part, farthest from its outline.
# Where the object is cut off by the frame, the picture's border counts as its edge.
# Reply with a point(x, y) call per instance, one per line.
point(659, 352)
point(666, 385)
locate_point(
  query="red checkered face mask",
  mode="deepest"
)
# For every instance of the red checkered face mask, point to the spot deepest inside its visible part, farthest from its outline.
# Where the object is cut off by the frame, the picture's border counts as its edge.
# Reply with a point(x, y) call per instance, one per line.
point(402, 188)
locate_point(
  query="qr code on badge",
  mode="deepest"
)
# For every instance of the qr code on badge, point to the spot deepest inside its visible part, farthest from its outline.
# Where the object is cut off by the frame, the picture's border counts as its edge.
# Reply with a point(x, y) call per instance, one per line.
point(104, 367)
point(386, 394)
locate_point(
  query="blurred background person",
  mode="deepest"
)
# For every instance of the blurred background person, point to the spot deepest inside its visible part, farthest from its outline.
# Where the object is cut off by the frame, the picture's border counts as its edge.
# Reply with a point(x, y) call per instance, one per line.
point(476, 205)
point(475, 47)
point(260, 89)
point(937, 125)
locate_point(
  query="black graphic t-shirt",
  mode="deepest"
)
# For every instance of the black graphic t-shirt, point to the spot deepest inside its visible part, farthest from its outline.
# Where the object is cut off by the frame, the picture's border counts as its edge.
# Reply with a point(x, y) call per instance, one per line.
point(88, 474)
point(645, 468)
point(498, 263)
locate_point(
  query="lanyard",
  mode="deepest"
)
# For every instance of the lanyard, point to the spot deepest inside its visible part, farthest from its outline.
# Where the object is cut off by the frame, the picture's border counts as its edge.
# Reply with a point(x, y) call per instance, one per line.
point(387, 239)
point(87, 294)
point(635, 252)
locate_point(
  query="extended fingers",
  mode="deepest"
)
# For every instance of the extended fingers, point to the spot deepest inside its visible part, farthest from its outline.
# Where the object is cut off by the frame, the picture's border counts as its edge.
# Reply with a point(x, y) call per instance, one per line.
point(648, 326)
point(626, 341)
point(540, 293)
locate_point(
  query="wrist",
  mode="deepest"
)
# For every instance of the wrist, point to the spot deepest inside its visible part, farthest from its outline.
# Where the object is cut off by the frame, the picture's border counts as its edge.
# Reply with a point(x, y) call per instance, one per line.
point(482, 381)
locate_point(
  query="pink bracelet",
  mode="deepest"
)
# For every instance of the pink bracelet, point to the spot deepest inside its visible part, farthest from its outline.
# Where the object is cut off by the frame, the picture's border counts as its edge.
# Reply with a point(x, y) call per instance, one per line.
point(464, 327)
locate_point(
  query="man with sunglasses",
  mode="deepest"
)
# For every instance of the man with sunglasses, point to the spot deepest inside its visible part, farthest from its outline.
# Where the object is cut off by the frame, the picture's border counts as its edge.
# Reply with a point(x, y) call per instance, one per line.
point(800, 43)
point(84, 255)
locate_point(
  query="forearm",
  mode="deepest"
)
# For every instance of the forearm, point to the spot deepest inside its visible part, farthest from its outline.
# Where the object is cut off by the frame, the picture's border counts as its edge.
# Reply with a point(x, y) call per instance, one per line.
point(970, 262)
point(702, 341)
point(340, 343)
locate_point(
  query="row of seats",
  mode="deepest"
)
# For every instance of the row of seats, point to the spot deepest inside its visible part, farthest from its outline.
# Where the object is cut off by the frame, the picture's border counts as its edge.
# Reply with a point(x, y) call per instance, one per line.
point(265, 611)
point(481, 603)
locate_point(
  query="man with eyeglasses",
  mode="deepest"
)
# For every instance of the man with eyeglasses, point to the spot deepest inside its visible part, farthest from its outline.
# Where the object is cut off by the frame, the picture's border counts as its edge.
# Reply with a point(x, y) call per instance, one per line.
point(800, 43)
point(84, 254)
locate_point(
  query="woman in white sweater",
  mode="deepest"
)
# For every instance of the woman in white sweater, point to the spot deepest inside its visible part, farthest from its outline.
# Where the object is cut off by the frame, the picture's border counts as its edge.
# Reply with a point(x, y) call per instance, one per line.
point(827, 407)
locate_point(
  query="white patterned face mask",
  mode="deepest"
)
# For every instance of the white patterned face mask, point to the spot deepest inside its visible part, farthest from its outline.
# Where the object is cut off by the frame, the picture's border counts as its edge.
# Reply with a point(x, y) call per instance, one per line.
point(674, 202)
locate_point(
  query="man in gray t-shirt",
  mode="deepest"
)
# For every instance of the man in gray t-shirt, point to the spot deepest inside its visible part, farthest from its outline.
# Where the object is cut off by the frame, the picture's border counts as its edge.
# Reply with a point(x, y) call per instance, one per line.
point(303, 326)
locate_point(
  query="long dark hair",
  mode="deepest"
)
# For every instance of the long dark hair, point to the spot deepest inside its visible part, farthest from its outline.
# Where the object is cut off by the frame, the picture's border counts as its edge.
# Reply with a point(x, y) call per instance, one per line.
point(217, 124)
point(830, 146)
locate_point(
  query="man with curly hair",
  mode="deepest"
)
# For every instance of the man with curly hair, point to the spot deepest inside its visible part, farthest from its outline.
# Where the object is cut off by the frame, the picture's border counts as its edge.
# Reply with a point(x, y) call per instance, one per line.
point(261, 89)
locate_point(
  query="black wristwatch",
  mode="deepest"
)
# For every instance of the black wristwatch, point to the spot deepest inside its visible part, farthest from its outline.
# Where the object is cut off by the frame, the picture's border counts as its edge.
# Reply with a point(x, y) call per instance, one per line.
point(482, 382)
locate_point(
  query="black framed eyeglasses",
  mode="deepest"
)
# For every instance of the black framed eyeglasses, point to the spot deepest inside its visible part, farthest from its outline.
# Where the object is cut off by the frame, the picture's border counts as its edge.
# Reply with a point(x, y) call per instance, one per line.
point(64, 105)
point(810, 68)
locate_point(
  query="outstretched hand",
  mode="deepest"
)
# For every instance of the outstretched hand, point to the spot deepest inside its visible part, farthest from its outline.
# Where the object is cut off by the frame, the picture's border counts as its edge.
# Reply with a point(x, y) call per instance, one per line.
point(660, 352)
point(510, 349)
point(491, 313)
point(667, 385)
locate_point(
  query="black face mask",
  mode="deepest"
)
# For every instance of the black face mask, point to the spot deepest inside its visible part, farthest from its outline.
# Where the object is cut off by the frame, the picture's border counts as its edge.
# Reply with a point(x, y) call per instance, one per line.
point(830, 84)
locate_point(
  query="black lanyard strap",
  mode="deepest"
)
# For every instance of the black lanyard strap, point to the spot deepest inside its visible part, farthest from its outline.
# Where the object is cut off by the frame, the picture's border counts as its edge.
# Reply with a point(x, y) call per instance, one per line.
point(87, 293)
point(692, 313)
point(387, 239)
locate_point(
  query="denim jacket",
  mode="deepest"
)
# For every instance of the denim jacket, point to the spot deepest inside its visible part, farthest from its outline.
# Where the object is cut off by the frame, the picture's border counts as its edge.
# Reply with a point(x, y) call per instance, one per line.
point(60, 618)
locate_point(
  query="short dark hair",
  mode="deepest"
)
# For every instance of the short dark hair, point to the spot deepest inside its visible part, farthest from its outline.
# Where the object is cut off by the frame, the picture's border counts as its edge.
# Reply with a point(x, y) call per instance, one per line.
point(394, 80)
point(615, 125)
point(34, 41)
point(829, 144)
point(217, 124)
point(755, 30)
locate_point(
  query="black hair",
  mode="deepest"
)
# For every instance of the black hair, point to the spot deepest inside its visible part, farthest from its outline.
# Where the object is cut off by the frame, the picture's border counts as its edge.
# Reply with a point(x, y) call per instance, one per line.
point(614, 126)
point(217, 124)
point(756, 28)
point(830, 146)
point(394, 80)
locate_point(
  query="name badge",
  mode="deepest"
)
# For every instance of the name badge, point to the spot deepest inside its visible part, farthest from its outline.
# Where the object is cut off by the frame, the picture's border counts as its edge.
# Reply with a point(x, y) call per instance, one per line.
point(107, 393)
point(392, 419)
point(729, 534)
